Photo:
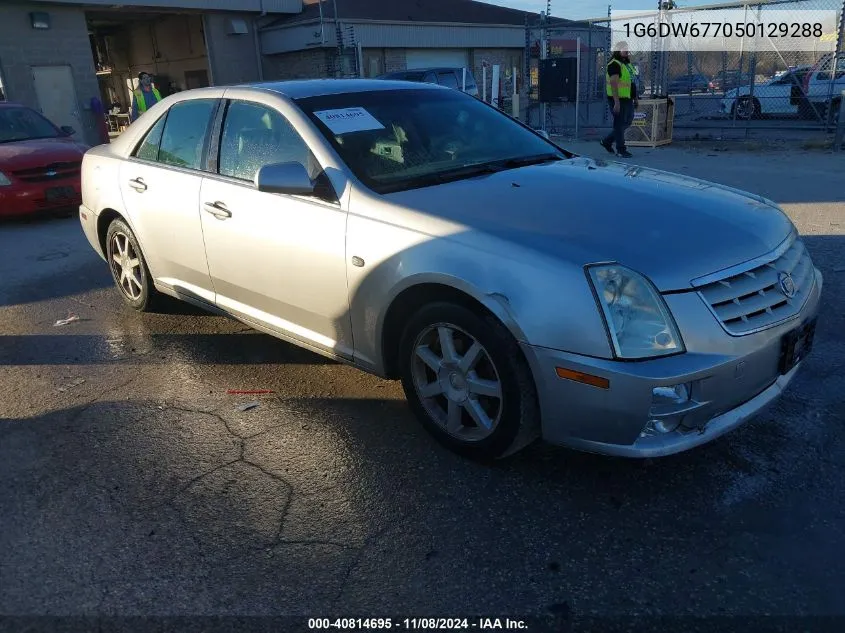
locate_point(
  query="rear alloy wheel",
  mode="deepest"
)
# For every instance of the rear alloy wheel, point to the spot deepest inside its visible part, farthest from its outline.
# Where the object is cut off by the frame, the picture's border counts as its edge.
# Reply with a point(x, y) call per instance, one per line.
point(466, 379)
point(747, 108)
point(128, 268)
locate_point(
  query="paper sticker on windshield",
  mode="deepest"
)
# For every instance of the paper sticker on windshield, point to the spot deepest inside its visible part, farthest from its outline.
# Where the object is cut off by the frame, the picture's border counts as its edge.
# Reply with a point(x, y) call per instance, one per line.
point(349, 120)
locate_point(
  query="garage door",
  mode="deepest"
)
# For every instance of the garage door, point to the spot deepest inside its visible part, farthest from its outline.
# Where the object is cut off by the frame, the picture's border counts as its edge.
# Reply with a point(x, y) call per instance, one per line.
point(428, 57)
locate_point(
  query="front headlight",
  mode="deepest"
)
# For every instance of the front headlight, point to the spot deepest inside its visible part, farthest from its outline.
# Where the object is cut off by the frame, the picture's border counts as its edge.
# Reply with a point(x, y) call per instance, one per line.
point(638, 321)
point(4, 180)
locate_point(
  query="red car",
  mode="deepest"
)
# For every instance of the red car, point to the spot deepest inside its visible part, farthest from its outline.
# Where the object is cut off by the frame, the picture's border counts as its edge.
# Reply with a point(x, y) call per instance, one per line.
point(39, 164)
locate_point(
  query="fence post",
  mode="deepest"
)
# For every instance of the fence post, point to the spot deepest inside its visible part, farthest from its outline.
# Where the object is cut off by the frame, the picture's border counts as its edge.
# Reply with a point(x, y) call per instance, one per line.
point(577, 83)
point(607, 53)
point(525, 90)
point(591, 60)
point(840, 126)
point(840, 49)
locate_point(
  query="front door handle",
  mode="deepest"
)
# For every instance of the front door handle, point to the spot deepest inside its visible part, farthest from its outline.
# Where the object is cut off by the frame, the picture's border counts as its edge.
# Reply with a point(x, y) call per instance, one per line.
point(218, 210)
point(138, 185)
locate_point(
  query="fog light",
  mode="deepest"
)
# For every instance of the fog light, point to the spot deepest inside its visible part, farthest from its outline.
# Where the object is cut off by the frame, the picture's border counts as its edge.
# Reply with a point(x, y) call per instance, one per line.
point(676, 394)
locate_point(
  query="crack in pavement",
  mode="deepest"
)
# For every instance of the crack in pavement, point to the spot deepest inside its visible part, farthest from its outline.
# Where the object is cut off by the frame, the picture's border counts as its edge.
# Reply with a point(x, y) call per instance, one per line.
point(291, 491)
point(98, 398)
point(356, 561)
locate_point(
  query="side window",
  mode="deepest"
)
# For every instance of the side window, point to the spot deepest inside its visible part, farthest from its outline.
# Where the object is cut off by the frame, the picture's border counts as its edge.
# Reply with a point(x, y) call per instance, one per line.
point(255, 135)
point(148, 149)
point(184, 133)
point(470, 81)
point(430, 78)
point(447, 79)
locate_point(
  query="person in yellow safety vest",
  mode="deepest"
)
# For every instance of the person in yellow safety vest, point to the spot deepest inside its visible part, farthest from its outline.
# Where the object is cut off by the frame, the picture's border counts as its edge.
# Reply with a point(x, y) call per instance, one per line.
point(621, 86)
point(145, 96)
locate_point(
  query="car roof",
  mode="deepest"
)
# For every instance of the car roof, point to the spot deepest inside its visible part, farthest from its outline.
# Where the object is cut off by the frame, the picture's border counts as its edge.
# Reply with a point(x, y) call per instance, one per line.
point(426, 70)
point(303, 89)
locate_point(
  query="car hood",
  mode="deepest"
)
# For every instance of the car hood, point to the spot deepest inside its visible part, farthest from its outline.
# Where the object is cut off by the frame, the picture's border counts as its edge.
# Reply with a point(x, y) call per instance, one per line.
point(670, 227)
point(38, 152)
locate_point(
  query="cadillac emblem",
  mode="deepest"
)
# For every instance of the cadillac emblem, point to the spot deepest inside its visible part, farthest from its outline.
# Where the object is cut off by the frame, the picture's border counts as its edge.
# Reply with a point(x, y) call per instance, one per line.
point(787, 285)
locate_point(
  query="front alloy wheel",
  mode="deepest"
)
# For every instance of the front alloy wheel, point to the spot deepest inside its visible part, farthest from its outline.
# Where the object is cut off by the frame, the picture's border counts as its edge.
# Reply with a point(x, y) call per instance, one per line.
point(747, 108)
point(467, 381)
point(457, 382)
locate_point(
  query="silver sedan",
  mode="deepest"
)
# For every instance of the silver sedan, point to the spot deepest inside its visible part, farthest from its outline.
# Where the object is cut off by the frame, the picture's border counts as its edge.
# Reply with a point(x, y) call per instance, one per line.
point(517, 290)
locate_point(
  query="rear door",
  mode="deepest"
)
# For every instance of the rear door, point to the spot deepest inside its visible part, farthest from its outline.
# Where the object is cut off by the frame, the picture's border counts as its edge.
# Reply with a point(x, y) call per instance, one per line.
point(160, 184)
point(776, 97)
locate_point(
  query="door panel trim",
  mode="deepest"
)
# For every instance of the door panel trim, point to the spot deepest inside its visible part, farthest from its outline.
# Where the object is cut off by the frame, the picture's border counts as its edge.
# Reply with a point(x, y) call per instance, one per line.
point(295, 332)
point(180, 287)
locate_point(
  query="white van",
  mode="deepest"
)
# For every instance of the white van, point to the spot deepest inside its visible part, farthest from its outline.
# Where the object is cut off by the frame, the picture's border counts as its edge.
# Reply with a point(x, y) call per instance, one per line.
point(823, 86)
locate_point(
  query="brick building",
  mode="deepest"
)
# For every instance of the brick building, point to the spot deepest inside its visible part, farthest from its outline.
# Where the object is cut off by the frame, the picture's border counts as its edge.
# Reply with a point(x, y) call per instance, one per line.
point(371, 37)
point(58, 55)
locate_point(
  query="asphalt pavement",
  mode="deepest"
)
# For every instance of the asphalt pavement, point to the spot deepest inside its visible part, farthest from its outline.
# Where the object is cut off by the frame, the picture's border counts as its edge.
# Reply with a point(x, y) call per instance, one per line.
point(132, 483)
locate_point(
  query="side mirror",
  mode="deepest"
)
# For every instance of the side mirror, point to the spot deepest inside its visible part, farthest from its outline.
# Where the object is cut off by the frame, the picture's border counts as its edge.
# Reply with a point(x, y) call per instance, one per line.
point(544, 134)
point(68, 130)
point(289, 178)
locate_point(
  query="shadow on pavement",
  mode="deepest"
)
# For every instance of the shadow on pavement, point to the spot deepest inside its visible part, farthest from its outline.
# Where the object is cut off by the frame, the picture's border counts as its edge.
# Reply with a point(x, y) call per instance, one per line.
point(248, 348)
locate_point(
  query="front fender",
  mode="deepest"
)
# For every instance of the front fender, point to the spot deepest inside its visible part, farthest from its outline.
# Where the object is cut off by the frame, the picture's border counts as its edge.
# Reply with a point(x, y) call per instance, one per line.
point(543, 301)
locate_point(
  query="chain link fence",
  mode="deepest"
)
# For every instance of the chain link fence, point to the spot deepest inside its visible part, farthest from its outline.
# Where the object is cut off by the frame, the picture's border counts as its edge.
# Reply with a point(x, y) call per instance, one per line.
point(754, 84)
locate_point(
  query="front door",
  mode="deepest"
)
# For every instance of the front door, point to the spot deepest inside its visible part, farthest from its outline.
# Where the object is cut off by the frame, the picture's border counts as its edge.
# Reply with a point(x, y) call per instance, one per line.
point(56, 93)
point(161, 191)
point(275, 260)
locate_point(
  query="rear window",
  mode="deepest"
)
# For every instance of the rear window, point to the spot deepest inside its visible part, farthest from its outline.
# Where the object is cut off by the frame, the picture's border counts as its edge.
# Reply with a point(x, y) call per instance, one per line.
point(447, 79)
point(185, 132)
point(406, 77)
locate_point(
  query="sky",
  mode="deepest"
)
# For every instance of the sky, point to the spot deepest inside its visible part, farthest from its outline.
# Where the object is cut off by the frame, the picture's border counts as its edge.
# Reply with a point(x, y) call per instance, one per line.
point(586, 8)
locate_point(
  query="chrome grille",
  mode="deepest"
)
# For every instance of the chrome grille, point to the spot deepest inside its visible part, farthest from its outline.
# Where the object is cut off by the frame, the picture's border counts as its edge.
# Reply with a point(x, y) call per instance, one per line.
point(754, 300)
point(54, 171)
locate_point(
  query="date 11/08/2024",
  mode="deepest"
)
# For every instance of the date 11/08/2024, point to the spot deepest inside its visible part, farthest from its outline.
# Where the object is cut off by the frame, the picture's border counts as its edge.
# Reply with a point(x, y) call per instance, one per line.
point(431, 624)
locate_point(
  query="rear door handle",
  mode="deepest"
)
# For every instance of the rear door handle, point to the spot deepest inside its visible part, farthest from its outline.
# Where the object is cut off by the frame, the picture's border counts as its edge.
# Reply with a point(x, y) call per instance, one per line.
point(138, 185)
point(218, 210)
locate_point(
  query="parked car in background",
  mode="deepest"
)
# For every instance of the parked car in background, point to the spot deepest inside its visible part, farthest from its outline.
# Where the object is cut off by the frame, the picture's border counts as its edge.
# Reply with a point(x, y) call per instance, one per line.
point(493, 272)
point(822, 89)
point(39, 164)
point(686, 84)
point(726, 80)
point(449, 77)
point(771, 97)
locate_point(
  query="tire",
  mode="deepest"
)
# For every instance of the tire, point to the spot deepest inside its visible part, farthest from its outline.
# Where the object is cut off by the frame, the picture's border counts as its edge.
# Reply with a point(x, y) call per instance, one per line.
point(136, 288)
point(747, 108)
point(484, 360)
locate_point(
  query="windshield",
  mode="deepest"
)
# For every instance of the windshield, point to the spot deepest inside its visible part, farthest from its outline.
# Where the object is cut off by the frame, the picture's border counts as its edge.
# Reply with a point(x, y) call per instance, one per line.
point(402, 139)
point(21, 124)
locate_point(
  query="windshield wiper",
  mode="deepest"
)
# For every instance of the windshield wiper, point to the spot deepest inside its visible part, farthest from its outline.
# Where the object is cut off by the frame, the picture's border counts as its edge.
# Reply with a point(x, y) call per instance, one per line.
point(468, 171)
point(494, 166)
point(525, 161)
